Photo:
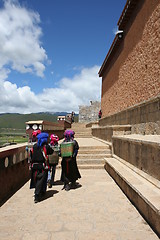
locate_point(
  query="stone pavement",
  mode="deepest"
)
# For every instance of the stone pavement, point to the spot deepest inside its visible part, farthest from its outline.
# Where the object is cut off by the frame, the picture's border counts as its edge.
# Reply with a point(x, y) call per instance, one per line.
point(97, 210)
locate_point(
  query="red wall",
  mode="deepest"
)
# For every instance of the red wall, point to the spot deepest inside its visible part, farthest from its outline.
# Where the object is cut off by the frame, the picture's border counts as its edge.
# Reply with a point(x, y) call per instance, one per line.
point(132, 76)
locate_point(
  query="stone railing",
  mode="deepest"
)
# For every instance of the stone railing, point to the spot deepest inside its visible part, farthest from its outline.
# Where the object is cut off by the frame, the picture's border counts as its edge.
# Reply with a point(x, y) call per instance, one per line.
point(14, 171)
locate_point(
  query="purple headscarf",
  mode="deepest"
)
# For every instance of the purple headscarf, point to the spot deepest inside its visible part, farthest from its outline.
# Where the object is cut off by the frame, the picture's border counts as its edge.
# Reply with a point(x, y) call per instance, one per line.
point(69, 134)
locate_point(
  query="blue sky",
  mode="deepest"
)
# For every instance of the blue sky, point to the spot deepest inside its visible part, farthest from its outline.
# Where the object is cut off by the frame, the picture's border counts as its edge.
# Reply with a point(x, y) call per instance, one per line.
point(51, 52)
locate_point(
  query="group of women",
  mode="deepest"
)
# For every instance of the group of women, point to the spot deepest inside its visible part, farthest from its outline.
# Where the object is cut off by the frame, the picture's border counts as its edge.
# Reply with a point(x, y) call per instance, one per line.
point(43, 172)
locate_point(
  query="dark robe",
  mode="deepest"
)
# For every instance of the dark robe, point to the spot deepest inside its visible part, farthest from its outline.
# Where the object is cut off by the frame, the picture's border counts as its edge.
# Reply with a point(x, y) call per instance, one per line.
point(70, 172)
point(39, 174)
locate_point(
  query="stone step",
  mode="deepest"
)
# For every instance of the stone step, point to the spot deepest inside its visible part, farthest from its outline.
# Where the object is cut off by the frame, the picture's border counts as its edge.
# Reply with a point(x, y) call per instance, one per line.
point(81, 129)
point(82, 132)
point(86, 161)
point(91, 166)
point(94, 151)
point(95, 147)
point(88, 164)
point(91, 156)
point(83, 136)
point(78, 124)
point(143, 192)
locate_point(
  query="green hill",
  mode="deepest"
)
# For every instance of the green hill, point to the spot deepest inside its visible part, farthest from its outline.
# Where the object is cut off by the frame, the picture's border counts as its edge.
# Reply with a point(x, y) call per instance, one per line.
point(17, 121)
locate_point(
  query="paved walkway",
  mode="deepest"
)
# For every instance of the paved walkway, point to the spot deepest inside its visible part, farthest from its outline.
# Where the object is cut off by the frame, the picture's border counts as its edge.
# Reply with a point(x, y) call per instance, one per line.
point(97, 210)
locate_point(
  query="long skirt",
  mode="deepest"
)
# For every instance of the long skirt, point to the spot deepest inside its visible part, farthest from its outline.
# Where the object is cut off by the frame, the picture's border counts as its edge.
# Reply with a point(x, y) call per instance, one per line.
point(39, 180)
point(70, 172)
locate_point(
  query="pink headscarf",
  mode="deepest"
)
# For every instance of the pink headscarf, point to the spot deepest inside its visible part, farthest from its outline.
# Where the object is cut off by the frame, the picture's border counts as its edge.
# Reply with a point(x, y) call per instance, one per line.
point(35, 133)
point(54, 139)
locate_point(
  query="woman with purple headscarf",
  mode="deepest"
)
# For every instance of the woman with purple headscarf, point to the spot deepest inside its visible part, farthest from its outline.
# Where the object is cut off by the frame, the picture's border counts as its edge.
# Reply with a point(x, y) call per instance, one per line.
point(70, 172)
point(39, 163)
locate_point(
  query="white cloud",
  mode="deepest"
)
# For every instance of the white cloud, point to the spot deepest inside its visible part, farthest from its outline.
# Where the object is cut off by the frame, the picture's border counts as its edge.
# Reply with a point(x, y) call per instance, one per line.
point(20, 34)
point(21, 50)
point(71, 93)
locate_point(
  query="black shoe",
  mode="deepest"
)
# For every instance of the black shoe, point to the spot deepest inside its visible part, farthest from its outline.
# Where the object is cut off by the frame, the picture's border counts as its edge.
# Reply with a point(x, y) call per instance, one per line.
point(36, 199)
point(67, 187)
point(74, 185)
point(49, 185)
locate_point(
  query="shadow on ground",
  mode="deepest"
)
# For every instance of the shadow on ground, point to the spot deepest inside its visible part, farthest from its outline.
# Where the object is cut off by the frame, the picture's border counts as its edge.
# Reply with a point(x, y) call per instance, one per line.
point(49, 194)
point(78, 185)
point(58, 182)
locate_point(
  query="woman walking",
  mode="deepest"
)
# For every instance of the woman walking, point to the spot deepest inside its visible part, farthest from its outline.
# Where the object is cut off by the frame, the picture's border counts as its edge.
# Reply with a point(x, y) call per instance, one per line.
point(70, 172)
point(40, 165)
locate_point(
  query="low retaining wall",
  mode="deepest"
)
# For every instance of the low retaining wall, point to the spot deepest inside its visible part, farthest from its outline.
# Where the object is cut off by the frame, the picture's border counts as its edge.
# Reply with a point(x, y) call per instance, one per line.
point(92, 124)
point(14, 170)
point(144, 117)
point(107, 132)
point(142, 152)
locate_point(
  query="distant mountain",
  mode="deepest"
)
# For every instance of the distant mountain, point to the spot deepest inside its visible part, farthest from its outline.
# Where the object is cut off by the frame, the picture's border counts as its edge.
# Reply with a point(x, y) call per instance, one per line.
point(17, 121)
point(56, 113)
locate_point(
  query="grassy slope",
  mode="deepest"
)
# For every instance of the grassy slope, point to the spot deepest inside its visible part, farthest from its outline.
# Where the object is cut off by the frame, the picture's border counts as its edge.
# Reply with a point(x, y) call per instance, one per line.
point(17, 121)
point(12, 126)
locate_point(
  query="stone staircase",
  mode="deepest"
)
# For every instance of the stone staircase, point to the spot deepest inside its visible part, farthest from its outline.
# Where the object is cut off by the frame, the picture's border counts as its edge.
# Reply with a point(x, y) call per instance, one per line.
point(90, 156)
point(93, 156)
point(81, 131)
point(92, 152)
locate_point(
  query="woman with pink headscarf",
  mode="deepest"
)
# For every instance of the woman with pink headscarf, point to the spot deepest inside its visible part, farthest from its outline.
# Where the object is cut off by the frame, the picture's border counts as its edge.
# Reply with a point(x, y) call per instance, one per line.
point(51, 174)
